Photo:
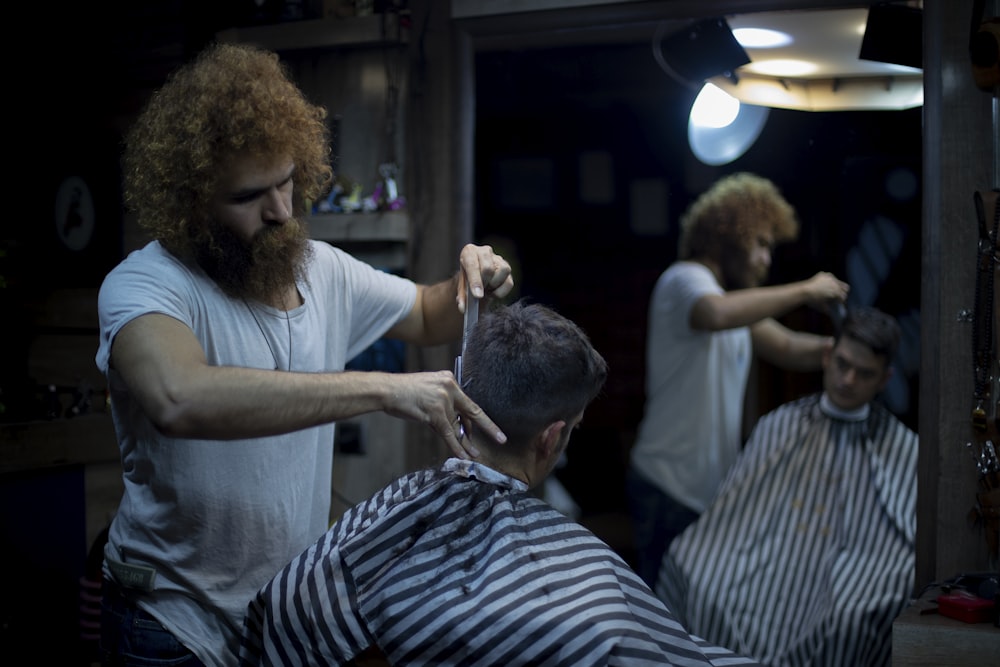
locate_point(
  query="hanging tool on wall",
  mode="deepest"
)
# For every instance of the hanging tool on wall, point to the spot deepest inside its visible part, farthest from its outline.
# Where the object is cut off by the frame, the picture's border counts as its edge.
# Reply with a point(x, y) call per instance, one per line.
point(986, 392)
point(985, 312)
point(984, 53)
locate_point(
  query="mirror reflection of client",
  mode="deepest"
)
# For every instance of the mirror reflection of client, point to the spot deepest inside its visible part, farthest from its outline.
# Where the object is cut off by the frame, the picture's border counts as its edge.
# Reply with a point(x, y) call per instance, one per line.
point(806, 555)
point(464, 564)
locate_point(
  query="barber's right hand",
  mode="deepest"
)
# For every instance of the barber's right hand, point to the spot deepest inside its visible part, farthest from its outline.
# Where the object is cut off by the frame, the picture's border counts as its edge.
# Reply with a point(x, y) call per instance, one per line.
point(434, 398)
point(824, 288)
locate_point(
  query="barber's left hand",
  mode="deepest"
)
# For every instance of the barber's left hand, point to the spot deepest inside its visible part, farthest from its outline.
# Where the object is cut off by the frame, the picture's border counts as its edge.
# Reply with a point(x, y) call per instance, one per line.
point(485, 272)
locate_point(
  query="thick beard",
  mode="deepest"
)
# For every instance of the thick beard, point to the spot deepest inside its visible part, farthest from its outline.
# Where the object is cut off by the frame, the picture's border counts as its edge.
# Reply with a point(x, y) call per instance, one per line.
point(734, 268)
point(741, 275)
point(274, 260)
point(737, 271)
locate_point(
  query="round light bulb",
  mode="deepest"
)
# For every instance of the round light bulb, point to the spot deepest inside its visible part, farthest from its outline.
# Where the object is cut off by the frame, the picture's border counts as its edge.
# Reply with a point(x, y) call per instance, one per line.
point(714, 107)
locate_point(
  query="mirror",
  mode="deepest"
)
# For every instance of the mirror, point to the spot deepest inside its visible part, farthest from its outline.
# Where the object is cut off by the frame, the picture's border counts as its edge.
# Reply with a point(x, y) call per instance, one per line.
point(583, 168)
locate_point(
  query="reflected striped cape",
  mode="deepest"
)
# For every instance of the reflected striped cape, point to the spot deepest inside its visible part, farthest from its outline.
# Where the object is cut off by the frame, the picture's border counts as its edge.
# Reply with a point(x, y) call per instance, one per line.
point(464, 566)
point(806, 555)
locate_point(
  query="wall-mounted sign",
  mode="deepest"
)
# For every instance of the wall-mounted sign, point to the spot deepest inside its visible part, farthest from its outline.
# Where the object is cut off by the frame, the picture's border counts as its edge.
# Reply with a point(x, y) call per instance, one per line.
point(74, 214)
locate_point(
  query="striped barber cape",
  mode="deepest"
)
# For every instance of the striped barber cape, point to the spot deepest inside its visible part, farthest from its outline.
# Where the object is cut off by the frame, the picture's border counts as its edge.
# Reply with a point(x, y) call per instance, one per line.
point(806, 555)
point(464, 566)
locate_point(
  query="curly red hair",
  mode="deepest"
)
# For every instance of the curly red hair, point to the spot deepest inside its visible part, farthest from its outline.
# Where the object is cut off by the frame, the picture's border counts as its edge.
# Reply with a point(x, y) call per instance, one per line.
point(232, 100)
point(734, 210)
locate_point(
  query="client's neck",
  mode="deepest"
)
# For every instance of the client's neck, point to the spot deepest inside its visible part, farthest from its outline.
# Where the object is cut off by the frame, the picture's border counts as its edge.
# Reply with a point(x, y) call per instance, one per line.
point(506, 463)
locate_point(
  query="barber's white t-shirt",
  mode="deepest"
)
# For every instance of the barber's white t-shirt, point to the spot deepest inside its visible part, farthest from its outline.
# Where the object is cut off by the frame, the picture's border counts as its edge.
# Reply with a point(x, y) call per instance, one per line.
point(691, 430)
point(217, 518)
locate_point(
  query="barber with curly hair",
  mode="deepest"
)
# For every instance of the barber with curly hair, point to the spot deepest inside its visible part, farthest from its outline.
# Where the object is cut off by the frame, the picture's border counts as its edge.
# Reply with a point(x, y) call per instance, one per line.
point(708, 315)
point(224, 343)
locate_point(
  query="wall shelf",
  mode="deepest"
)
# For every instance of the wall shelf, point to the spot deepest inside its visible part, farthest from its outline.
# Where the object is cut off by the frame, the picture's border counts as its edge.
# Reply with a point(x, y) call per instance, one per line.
point(377, 238)
point(359, 227)
point(325, 33)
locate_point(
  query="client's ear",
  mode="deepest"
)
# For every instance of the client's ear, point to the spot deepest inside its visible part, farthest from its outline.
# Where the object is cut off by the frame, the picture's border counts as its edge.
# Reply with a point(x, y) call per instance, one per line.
point(548, 441)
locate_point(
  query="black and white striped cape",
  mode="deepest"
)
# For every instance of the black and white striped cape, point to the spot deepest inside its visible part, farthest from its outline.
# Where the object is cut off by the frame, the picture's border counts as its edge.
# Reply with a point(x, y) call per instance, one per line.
point(806, 555)
point(463, 566)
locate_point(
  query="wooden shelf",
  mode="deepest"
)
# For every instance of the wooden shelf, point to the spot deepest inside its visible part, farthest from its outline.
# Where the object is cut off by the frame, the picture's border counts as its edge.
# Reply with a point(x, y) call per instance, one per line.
point(325, 33)
point(388, 226)
point(377, 238)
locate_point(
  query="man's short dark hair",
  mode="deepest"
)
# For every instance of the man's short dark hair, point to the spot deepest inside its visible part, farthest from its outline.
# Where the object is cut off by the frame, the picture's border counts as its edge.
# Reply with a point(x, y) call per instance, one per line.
point(528, 366)
point(874, 328)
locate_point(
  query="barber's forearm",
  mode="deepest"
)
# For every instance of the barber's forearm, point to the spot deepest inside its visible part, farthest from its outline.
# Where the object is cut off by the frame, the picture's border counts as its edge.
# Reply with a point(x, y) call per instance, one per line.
point(804, 351)
point(441, 319)
point(777, 300)
point(788, 349)
point(744, 307)
point(230, 403)
point(434, 318)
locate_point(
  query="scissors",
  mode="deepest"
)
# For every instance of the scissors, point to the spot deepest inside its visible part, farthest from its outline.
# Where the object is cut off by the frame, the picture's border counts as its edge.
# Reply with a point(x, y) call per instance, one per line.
point(471, 317)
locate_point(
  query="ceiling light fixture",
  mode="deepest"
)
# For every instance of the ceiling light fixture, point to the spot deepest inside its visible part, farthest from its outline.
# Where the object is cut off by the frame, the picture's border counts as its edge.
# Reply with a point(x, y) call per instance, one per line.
point(782, 67)
point(761, 38)
point(893, 34)
point(841, 75)
point(698, 51)
point(720, 128)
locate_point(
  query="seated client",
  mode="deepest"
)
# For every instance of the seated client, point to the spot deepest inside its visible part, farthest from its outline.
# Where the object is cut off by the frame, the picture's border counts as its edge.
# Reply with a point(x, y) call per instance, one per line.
point(464, 564)
point(806, 555)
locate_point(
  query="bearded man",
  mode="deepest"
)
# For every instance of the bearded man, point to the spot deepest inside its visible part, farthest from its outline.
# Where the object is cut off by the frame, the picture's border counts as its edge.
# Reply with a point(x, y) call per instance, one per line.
point(224, 343)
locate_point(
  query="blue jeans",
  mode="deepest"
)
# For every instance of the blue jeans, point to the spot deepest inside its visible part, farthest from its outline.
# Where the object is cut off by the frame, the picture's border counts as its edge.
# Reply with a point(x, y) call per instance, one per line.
point(656, 519)
point(130, 637)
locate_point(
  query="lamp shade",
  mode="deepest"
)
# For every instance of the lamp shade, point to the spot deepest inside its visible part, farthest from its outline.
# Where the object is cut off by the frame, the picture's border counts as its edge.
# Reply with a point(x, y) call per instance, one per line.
point(714, 145)
point(700, 51)
point(893, 34)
